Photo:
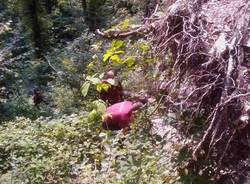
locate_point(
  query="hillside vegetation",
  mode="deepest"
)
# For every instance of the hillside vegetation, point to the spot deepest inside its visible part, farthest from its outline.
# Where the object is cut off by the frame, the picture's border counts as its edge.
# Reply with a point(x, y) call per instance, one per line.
point(188, 62)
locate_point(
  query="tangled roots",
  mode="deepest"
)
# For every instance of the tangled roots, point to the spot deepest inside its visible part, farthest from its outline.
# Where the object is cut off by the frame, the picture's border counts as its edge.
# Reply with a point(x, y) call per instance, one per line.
point(210, 50)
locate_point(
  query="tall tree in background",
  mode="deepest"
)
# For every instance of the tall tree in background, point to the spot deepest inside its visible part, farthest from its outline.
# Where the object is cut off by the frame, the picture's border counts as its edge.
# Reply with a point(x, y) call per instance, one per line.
point(93, 13)
point(49, 5)
point(35, 23)
point(84, 5)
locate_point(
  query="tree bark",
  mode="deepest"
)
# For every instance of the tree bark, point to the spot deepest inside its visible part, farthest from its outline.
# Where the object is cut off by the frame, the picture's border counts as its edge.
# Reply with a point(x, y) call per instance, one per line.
point(49, 4)
point(36, 28)
point(84, 5)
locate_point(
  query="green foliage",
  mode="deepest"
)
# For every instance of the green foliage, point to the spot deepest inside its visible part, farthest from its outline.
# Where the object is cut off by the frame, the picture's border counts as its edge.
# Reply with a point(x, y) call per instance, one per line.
point(40, 151)
point(192, 125)
point(64, 98)
point(188, 178)
point(85, 88)
point(35, 22)
point(60, 146)
point(57, 150)
point(97, 81)
point(128, 53)
point(21, 106)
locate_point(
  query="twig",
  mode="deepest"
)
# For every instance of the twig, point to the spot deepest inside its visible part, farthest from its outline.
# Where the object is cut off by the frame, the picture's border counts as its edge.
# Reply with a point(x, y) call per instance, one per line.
point(51, 65)
point(158, 105)
point(225, 150)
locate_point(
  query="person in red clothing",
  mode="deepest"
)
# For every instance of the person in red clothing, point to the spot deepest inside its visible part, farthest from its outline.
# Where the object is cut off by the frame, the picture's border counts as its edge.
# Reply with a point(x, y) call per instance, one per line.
point(38, 97)
point(115, 93)
point(119, 115)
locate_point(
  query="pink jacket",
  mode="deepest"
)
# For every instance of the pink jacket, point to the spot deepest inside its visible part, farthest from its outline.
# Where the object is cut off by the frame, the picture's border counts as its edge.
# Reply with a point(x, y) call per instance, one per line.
point(118, 116)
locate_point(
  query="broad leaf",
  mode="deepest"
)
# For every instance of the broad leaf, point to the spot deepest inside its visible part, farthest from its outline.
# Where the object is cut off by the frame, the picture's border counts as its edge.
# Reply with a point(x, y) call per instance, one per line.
point(116, 59)
point(111, 81)
point(94, 80)
point(107, 55)
point(125, 23)
point(117, 44)
point(130, 61)
point(144, 47)
point(102, 86)
point(85, 88)
point(99, 106)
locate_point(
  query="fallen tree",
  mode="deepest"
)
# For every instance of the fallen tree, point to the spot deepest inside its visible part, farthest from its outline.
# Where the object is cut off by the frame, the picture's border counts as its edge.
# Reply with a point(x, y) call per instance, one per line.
point(210, 42)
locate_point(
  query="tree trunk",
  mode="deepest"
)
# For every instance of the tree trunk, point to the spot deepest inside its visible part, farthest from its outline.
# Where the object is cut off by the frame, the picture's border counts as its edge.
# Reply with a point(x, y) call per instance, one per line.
point(36, 28)
point(49, 5)
point(84, 5)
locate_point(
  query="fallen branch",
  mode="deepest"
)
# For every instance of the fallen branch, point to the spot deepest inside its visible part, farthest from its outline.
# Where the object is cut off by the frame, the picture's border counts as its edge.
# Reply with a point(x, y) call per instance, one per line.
point(119, 34)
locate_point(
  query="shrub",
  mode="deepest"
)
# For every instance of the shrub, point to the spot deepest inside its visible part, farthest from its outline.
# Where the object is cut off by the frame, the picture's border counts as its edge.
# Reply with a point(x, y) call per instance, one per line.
point(75, 147)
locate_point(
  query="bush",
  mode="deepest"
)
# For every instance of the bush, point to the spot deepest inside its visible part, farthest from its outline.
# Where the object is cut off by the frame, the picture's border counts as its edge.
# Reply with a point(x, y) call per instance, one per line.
point(75, 147)
point(64, 99)
point(20, 106)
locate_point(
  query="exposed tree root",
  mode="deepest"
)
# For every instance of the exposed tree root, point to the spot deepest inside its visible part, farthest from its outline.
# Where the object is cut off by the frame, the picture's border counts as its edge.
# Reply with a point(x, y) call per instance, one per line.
point(209, 65)
point(210, 50)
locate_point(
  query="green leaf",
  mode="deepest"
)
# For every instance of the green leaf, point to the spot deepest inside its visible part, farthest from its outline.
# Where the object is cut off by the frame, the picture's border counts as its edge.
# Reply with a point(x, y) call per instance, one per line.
point(144, 47)
point(94, 80)
point(111, 81)
point(107, 55)
point(85, 88)
point(130, 61)
point(102, 86)
point(117, 44)
point(116, 59)
point(148, 60)
point(125, 23)
point(118, 52)
point(99, 106)
point(92, 115)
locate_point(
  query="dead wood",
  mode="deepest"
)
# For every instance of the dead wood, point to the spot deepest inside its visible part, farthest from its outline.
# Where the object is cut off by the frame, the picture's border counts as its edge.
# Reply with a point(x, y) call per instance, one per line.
point(210, 51)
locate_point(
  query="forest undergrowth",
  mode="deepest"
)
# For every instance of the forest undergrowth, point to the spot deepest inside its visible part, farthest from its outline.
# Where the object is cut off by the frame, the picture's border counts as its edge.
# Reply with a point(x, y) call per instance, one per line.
point(189, 60)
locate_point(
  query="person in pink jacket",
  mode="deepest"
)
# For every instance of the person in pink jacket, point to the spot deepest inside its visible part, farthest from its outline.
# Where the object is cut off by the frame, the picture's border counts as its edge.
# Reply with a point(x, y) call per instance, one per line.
point(119, 115)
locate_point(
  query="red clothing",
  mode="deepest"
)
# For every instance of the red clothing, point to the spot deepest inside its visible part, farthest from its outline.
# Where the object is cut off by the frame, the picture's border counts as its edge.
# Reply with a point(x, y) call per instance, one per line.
point(118, 116)
point(113, 94)
point(38, 98)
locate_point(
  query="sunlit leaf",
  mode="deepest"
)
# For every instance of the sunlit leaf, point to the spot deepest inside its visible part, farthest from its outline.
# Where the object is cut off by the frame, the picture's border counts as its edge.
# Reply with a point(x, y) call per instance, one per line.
point(130, 61)
point(107, 55)
point(101, 75)
point(125, 23)
point(116, 59)
point(102, 86)
point(85, 88)
point(117, 44)
point(90, 65)
point(144, 47)
point(111, 81)
point(99, 106)
point(95, 57)
point(92, 115)
point(94, 80)
point(118, 52)
point(148, 60)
